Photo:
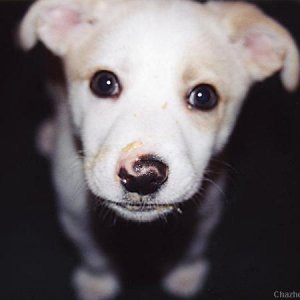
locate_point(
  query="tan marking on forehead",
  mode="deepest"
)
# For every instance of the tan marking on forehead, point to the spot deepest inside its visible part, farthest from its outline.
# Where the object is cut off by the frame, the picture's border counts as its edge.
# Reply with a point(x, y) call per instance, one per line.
point(82, 70)
point(83, 73)
point(190, 74)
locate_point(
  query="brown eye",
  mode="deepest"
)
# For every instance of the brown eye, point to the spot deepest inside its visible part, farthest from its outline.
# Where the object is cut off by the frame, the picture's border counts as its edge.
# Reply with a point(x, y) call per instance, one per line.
point(203, 97)
point(105, 84)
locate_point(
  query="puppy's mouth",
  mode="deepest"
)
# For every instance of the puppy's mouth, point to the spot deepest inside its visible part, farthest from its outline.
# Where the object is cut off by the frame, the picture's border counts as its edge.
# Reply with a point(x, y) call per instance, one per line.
point(144, 207)
point(141, 211)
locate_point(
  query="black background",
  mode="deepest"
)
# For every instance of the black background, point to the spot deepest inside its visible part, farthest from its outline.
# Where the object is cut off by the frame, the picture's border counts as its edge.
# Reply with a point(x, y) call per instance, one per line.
point(256, 249)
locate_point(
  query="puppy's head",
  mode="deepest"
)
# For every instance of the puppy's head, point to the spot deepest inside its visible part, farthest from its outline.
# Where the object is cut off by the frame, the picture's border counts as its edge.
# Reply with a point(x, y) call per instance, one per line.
point(155, 87)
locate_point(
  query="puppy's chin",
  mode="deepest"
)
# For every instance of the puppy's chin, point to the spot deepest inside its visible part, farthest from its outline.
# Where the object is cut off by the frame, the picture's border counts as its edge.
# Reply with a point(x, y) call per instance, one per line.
point(137, 208)
point(145, 210)
point(140, 212)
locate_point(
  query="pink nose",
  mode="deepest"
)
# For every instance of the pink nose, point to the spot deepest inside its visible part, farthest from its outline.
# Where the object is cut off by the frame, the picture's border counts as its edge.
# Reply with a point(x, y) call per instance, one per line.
point(144, 176)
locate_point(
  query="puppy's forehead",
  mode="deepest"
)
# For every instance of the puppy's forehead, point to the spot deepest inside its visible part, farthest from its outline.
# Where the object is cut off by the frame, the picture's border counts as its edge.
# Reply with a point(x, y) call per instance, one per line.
point(180, 35)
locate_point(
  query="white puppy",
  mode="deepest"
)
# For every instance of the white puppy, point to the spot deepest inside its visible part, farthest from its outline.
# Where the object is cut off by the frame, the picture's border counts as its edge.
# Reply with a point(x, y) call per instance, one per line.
point(153, 89)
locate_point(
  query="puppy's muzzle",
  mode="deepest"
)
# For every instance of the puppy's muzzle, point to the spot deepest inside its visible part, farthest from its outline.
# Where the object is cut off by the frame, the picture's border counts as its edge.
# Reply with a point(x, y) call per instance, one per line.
point(144, 176)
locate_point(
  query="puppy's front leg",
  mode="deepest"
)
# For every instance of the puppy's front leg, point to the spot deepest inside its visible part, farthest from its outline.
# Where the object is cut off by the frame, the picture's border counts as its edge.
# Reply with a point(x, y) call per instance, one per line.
point(189, 276)
point(93, 279)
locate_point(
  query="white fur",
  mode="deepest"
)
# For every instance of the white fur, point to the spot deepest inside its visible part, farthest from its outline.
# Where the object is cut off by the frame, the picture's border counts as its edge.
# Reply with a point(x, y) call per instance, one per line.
point(89, 286)
point(186, 279)
point(159, 50)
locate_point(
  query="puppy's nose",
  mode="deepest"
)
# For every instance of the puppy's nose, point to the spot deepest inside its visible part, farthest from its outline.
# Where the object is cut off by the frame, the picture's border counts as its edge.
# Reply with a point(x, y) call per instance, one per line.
point(145, 176)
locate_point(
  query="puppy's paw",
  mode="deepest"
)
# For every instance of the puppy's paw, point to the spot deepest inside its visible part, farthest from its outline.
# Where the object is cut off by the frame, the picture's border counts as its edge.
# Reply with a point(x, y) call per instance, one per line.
point(93, 286)
point(187, 279)
point(45, 138)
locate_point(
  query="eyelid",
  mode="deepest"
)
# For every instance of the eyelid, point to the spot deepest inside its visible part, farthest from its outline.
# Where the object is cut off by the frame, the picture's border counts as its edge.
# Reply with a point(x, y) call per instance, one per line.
point(211, 85)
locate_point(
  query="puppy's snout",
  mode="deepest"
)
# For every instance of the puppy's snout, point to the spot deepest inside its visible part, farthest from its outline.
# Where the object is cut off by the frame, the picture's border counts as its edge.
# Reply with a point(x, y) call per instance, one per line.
point(144, 175)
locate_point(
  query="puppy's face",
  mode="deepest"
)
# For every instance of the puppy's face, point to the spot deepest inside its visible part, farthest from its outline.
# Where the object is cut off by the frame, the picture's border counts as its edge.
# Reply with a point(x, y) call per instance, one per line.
point(152, 94)
point(155, 88)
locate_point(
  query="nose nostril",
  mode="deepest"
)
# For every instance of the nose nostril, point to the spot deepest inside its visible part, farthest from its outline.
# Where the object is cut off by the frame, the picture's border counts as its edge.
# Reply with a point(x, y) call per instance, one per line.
point(148, 175)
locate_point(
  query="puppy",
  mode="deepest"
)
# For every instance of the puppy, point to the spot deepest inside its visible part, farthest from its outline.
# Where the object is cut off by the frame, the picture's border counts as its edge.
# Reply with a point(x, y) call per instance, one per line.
point(152, 92)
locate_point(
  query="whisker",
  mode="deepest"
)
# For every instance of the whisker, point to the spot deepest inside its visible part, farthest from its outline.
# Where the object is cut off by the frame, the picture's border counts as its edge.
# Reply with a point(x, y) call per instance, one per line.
point(225, 164)
point(220, 189)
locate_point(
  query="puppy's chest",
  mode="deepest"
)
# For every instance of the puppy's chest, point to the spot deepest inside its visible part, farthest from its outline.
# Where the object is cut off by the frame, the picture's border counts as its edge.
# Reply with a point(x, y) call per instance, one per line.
point(144, 251)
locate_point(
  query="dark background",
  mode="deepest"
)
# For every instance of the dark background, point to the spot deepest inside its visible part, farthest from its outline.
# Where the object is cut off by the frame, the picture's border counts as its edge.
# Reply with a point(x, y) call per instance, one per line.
point(256, 249)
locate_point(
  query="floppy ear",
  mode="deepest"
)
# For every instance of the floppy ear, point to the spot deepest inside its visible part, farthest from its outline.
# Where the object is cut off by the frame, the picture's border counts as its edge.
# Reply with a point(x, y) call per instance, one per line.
point(264, 45)
point(56, 23)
